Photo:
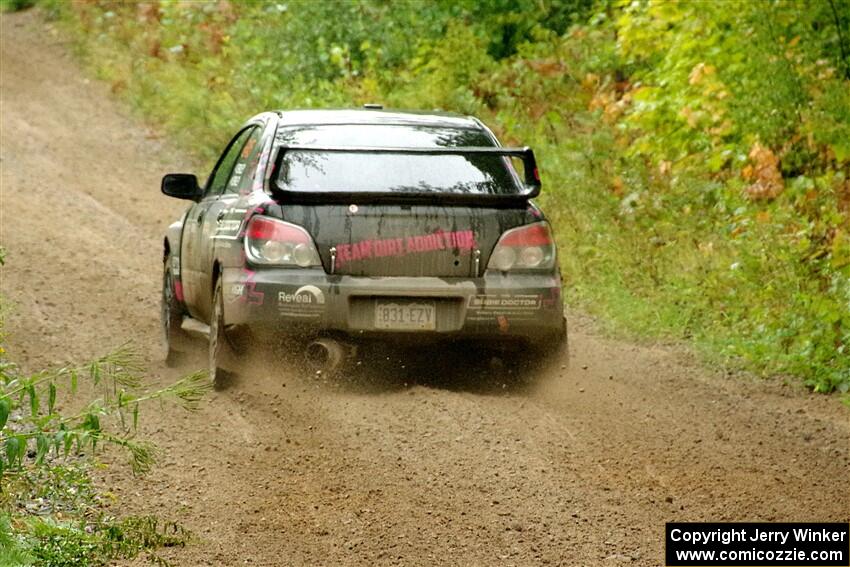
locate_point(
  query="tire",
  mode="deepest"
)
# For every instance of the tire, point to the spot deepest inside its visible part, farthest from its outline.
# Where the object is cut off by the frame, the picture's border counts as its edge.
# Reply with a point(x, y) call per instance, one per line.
point(555, 351)
point(544, 356)
point(175, 342)
point(221, 354)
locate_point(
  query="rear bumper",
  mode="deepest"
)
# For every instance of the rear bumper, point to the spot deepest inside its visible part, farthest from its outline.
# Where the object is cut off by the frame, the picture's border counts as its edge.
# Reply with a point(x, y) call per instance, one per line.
point(311, 301)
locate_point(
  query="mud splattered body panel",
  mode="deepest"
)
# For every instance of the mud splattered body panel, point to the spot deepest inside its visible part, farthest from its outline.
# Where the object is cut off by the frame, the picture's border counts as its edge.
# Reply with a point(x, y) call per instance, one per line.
point(310, 302)
point(411, 240)
point(362, 261)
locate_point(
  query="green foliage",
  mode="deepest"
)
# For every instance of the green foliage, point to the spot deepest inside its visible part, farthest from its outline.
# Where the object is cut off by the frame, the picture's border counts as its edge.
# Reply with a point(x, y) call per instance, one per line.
point(695, 158)
point(84, 544)
point(38, 427)
point(12, 549)
point(48, 542)
point(50, 512)
point(15, 5)
point(712, 80)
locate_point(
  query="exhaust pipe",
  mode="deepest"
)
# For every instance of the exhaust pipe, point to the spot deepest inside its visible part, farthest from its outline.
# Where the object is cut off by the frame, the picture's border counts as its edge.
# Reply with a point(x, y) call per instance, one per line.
point(325, 355)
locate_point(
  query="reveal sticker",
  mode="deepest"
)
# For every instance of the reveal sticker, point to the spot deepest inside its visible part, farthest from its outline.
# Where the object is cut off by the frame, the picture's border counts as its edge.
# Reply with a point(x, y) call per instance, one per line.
point(307, 301)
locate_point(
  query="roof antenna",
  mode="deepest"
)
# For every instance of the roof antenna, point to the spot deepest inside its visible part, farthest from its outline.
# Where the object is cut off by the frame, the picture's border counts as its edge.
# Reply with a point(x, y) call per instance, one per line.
point(373, 106)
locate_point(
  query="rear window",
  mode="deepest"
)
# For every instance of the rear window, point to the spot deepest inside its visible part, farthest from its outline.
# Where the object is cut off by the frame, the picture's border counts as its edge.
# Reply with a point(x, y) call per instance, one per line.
point(316, 172)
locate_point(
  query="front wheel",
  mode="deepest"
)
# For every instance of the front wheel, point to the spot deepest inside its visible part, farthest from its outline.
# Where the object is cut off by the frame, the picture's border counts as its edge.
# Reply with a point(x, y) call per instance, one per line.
point(221, 354)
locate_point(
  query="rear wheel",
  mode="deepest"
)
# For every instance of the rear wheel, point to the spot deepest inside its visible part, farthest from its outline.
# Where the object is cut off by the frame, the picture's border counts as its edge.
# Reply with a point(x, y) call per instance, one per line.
point(174, 339)
point(544, 357)
point(221, 354)
point(555, 353)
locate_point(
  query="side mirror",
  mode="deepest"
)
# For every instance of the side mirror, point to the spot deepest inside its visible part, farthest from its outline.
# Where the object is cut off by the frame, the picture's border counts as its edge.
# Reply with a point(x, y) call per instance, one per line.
point(182, 186)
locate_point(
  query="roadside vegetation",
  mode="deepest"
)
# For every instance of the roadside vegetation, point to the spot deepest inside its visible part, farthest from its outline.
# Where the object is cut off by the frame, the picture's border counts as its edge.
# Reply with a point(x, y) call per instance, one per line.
point(695, 155)
point(54, 424)
point(15, 5)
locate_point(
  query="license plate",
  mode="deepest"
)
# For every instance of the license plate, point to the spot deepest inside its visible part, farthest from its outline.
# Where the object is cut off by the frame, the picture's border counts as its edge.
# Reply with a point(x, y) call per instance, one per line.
point(406, 316)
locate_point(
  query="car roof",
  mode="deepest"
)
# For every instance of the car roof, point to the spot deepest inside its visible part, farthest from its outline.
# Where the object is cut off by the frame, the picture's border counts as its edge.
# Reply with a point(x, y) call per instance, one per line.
point(375, 116)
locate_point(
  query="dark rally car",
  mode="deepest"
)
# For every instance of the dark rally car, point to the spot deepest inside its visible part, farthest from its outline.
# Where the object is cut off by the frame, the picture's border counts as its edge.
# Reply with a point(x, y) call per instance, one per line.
point(323, 227)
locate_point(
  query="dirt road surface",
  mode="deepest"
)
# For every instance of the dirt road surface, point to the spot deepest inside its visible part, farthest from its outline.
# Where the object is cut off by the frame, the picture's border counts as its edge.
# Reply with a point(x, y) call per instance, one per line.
point(419, 466)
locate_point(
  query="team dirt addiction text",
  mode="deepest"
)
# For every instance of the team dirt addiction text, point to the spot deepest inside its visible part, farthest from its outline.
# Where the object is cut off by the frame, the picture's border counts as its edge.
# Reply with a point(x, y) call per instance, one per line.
point(462, 240)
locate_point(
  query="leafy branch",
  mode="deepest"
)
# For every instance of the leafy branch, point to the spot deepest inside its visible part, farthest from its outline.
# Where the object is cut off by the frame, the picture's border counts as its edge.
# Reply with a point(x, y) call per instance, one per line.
point(33, 425)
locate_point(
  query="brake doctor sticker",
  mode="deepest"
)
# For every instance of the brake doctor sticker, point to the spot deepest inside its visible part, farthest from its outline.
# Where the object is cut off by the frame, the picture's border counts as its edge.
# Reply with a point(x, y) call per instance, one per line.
point(505, 302)
point(515, 306)
point(306, 302)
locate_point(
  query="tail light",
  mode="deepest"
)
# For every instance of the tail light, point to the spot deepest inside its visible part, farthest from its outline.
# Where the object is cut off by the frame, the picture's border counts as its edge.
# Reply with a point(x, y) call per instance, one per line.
point(529, 247)
point(277, 243)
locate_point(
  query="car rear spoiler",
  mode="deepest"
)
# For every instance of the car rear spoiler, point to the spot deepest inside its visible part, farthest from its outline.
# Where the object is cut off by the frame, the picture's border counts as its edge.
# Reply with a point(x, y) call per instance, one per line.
point(531, 182)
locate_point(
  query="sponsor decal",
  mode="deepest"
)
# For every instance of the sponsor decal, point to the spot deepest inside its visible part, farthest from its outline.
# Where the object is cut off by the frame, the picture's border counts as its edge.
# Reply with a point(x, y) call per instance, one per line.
point(463, 240)
point(308, 294)
point(236, 176)
point(229, 226)
point(502, 307)
point(246, 292)
point(305, 302)
point(249, 146)
point(505, 302)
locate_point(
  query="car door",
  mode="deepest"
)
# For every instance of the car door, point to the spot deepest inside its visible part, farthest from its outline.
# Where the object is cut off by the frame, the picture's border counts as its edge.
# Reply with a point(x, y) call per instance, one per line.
point(196, 245)
point(217, 226)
